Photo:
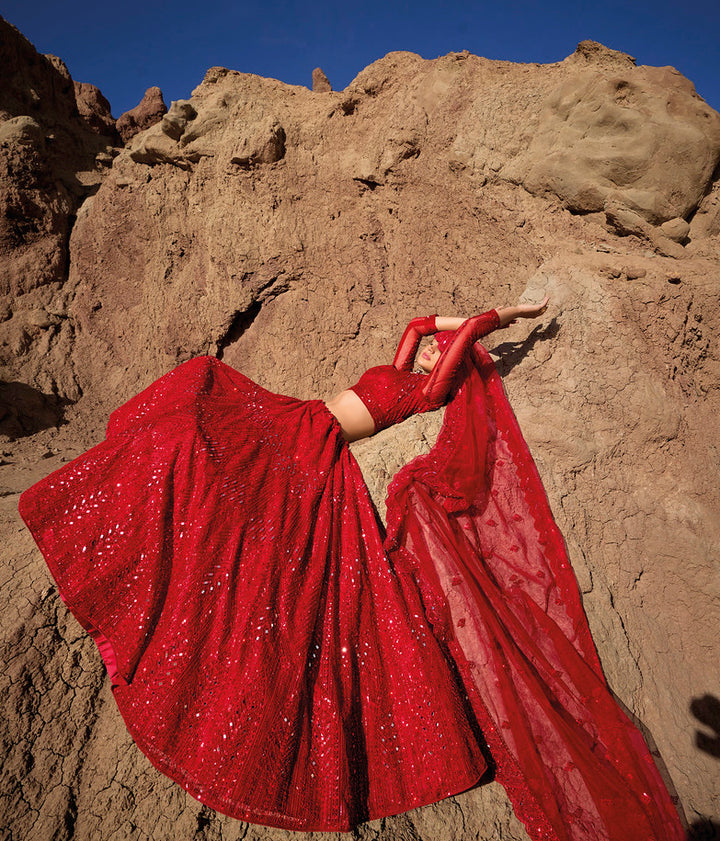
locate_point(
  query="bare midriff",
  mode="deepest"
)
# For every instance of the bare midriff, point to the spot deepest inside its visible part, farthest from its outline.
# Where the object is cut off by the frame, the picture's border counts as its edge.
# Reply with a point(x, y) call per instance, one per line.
point(355, 420)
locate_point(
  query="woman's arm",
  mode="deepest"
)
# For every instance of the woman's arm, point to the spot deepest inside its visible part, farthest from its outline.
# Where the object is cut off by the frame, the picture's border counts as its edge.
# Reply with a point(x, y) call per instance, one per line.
point(440, 380)
point(427, 325)
point(508, 315)
point(470, 330)
point(448, 322)
point(416, 329)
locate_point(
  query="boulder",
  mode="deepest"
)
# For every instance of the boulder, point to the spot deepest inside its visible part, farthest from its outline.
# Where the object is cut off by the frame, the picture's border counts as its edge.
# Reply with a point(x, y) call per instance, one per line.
point(611, 130)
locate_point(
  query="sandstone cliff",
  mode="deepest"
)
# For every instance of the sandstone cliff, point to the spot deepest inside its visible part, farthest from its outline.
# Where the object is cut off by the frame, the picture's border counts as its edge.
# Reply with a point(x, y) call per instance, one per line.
point(293, 233)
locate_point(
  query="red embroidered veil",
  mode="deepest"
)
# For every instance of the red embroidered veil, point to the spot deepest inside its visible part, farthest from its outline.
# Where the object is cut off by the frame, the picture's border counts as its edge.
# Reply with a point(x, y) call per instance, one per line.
point(473, 520)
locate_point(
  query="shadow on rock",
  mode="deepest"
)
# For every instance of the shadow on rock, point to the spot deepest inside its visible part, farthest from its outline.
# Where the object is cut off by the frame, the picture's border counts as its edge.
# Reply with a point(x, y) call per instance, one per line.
point(512, 353)
point(25, 410)
point(707, 711)
point(706, 829)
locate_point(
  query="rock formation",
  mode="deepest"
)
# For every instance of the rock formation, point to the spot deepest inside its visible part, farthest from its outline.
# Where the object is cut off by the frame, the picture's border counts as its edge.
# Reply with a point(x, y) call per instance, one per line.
point(640, 137)
point(293, 235)
point(149, 111)
point(320, 82)
point(55, 144)
point(94, 109)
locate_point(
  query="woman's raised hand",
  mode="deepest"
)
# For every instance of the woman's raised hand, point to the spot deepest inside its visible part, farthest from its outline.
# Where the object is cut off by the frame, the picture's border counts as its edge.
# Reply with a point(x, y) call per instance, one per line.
point(532, 310)
point(509, 315)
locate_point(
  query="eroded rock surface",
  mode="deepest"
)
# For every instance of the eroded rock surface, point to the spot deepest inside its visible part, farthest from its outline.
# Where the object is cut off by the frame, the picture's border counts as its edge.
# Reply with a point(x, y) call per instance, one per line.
point(149, 111)
point(320, 82)
point(293, 235)
point(55, 144)
point(616, 132)
point(94, 109)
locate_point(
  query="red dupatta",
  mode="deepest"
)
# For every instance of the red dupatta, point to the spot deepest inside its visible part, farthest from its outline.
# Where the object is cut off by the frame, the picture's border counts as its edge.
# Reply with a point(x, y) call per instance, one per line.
point(473, 520)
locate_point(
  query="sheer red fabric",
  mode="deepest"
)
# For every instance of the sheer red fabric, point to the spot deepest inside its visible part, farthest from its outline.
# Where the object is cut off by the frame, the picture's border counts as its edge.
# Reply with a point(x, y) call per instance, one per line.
point(473, 520)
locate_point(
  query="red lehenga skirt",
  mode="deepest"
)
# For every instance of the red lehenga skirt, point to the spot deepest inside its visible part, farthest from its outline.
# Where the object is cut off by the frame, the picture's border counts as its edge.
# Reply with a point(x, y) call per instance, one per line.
point(221, 547)
point(273, 657)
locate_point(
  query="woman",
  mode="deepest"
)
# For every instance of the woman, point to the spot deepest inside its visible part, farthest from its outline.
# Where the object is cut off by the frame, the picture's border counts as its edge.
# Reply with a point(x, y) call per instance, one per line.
point(287, 663)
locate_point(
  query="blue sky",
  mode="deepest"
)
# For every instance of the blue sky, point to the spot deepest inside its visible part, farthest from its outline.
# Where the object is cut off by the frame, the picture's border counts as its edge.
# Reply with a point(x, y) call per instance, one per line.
point(126, 48)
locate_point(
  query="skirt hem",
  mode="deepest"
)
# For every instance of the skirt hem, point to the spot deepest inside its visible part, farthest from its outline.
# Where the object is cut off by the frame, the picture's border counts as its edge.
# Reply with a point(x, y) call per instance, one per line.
point(280, 820)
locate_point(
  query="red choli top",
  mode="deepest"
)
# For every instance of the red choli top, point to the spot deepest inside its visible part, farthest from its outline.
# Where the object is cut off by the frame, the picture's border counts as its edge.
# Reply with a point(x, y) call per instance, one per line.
point(391, 393)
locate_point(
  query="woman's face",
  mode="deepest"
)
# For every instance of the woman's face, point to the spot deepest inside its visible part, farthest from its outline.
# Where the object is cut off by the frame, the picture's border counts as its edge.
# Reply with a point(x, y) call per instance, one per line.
point(429, 356)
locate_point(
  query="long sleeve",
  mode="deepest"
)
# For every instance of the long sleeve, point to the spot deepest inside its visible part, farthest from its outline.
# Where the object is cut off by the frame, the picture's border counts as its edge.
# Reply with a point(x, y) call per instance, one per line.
point(416, 329)
point(438, 385)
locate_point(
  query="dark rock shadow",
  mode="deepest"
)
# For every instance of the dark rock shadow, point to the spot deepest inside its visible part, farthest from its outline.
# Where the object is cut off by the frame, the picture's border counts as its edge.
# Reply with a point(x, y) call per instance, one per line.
point(24, 410)
point(512, 353)
point(707, 711)
point(239, 323)
point(705, 829)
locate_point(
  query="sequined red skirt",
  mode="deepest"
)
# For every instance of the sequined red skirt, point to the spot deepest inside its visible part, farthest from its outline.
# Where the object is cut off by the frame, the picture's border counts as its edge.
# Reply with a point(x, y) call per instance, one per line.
point(265, 653)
